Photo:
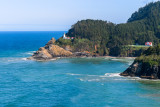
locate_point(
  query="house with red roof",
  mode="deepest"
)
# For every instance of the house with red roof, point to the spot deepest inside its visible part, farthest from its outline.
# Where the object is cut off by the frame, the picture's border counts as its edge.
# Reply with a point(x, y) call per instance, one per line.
point(148, 44)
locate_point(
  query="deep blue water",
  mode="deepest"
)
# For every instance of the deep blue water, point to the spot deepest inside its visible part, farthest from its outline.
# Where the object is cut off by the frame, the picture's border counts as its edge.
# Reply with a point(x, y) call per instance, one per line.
point(70, 82)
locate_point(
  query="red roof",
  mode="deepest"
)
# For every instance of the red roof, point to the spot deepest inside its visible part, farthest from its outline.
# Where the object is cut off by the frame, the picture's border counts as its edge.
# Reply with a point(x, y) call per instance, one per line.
point(148, 43)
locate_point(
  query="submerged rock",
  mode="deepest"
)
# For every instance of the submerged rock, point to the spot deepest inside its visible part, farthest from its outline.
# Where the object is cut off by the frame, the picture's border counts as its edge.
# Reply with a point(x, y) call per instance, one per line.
point(50, 51)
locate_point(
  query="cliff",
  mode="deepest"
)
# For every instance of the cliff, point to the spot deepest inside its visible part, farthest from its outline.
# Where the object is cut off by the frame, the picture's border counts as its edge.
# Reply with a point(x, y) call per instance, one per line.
point(146, 66)
point(50, 51)
point(142, 70)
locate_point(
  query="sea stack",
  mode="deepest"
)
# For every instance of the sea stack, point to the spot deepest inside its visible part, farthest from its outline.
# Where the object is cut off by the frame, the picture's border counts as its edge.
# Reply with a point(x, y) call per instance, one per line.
point(50, 51)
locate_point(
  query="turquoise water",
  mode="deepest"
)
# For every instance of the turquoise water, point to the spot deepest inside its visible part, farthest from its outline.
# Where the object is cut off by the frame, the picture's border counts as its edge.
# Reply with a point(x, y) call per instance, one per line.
point(69, 82)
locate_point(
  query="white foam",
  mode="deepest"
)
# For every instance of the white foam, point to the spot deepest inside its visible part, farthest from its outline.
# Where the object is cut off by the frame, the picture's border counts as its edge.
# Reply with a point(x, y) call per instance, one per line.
point(81, 79)
point(130, 62)
point(30, 52)
point(90, 80)
point(81, 75)
point(142, 79)
point(73, 74)
point(124, 79)
point(12, 59)
point(53, 59)
point(92, 75)
point(114, 59)
point(111, 75)
point(24, 59)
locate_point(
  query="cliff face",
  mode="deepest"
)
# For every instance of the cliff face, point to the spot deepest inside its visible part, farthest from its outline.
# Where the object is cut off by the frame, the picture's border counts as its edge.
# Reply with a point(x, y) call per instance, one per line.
point(147, 65)
point(142, 70)
point(49, 51)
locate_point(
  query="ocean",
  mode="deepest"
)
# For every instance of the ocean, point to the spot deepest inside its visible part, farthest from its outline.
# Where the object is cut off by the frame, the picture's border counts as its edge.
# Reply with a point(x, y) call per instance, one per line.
point(67, 82)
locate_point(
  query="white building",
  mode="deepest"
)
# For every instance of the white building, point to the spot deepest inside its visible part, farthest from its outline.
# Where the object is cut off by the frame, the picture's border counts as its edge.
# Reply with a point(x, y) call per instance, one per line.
point(148, 44)
point(64, 36)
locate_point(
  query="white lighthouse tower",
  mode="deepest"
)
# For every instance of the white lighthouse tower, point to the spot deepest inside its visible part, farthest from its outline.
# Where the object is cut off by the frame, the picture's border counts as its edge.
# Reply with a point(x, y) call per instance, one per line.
point(64, 36)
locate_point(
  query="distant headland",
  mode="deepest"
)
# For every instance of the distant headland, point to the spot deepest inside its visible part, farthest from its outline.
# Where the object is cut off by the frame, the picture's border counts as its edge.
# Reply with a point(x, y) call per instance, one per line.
point(94, 38)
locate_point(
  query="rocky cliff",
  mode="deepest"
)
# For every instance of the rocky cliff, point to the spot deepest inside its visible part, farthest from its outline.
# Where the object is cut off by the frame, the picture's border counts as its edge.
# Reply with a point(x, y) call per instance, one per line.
point(147, 65)
point(50, 51)
point(142, 70)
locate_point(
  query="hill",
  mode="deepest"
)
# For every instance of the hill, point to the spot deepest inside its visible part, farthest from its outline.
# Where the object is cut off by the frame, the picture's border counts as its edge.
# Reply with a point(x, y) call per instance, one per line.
point(106, 38)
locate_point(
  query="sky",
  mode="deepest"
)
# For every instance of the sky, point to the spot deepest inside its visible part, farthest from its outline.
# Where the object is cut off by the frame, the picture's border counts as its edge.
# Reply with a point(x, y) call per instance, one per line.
point(59, 15)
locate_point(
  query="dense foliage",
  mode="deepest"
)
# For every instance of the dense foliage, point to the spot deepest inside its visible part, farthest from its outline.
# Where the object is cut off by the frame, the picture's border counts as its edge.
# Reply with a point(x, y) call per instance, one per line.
point(151, 56)
point(131, 51)
point(108, 38)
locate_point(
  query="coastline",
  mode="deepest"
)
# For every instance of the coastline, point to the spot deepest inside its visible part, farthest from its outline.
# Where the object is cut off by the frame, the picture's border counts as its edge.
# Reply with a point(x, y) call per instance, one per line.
point(55, 58)
point(52, 51)
point(120, 57)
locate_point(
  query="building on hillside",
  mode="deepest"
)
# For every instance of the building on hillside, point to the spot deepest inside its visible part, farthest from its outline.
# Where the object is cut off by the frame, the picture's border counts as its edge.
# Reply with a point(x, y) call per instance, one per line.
point(65, 37)
point(148, 44)
point(72, 37)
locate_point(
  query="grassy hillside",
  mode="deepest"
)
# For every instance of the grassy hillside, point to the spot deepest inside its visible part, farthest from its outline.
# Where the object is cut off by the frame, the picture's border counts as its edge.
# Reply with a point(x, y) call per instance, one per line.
point(151, 56)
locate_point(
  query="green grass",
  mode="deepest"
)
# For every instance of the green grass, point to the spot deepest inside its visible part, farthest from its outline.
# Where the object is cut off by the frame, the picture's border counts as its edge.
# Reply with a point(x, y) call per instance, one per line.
point(150, 59)
point(141, 46)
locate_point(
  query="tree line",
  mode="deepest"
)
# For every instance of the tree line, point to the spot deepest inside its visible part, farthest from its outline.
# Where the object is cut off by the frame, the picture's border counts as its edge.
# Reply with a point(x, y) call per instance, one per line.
point(142, 26)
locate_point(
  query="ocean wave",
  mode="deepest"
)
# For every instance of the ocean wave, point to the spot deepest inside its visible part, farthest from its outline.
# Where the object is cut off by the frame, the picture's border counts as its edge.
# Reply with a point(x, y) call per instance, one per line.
point(107, 77)
point(81, 79)
point(30, 52)
point(81, 74)
point(89, 80)
point(123, 59)
point(73, 74)
point(24, 59)
point(12, 59)
point(52, 59)
point(129, 60)
point(111, 75)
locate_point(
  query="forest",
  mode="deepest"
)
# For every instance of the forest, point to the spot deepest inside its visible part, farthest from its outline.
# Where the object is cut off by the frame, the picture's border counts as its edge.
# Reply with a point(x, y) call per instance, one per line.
point(151, 56)
point(107, 38)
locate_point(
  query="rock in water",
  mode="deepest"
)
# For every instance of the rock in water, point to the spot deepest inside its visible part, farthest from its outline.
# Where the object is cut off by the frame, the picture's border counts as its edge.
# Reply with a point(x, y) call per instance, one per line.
point(50, 51)
point(142, 70)
point(147, 65)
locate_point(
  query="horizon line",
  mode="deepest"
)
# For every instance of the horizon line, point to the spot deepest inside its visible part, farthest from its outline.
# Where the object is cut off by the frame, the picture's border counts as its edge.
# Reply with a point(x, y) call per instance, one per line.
point(37, 31)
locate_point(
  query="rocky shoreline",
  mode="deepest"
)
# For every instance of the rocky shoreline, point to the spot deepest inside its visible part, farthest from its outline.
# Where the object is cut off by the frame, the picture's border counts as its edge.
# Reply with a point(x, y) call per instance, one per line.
point(142, 70)
point(146, 66)
point(51, 51)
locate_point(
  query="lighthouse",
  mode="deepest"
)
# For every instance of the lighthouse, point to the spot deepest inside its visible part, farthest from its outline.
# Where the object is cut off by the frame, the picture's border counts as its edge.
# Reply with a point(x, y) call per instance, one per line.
point(64, 36)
